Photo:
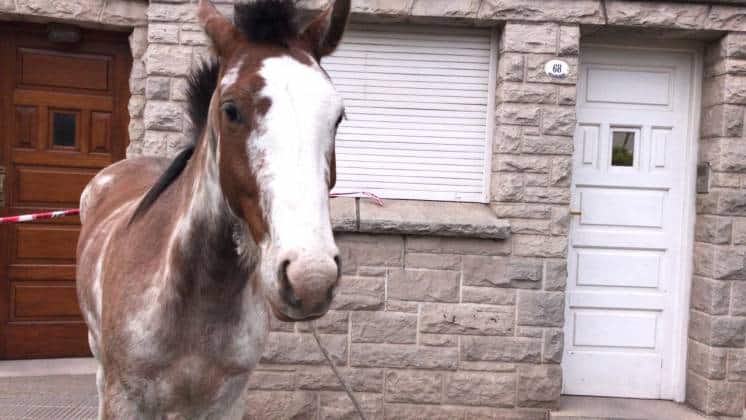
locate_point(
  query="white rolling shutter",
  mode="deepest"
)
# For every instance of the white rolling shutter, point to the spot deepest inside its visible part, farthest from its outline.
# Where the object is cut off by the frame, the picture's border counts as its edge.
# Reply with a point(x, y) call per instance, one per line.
point(418, 103)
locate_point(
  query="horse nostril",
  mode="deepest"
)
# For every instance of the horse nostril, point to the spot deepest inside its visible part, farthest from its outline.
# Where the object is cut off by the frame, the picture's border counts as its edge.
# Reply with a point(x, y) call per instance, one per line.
point(286, 289)
point(339, 265)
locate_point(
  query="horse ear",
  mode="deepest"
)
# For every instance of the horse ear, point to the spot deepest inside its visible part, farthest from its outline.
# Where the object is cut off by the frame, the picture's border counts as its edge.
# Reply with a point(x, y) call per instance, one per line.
point(326, 30)
point(222, 32)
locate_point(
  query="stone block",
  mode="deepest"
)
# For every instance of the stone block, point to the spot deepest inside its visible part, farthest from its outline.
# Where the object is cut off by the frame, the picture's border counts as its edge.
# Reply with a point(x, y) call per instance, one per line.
point(369, 250)
point(438, 340)
point(413, 217)
point(547, 195)
point(738, 299)
point(334, 322)
point(713, 229)
point(522, 210)
point(581, 11)
point(422, 412)
point(540, 246)
point(433, 261)
point(542, 309)
point(705, 360)
point(518, 114)
point(138, 41)
point(163, 33)
point(383, 327)
point(736, 365)
point(555, 275)
point(506, 186)
point(510, 67)
point(715, 397)
point(424, 285)
point(529, 38)
point(137, 78)
point(446, 8)
point(521, 163)
point(193, 35)
point(161, 115)
point(726, 18)
point(413, 386)
point(478, 388)
point(558, 121)
point(7, 6)
point(323, 379)
point(359, 293)
point(560, 173)
point(337, 406)
point(527, 93)
point(710, 296)
point(86, 10)
point(383, 7)
point(722, 121)
point(539, 386)
point(281, 405)
point(739, 231)
point(561, 218)
point(531, 227)
point(272, 380)
point(124, 13)
point(524, 273)
point(569, 40)
point(168, 60)
point(344, 214)
point(403, 356)
point(485, 271)
point(402, 306)
point(547, 145)
point(158, 88)
point(171, 12)
point(501, 349)
point(466, 319)
point(488, 295)
point(567, 95)
point(459, 246)
point(554, 344)
point(289, 348)
point(668, 15)
point(719, 331)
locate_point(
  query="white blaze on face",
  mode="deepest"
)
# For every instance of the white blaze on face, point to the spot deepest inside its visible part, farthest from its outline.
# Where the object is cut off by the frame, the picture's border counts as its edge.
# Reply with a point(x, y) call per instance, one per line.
point(293, 140)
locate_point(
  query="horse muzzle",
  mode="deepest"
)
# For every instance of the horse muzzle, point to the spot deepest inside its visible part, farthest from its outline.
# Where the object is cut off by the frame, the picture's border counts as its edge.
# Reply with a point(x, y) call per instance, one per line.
point(306, 287)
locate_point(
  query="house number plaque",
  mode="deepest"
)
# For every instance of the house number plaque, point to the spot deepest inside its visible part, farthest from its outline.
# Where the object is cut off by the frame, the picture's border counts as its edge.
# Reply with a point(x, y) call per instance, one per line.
point(557, 69)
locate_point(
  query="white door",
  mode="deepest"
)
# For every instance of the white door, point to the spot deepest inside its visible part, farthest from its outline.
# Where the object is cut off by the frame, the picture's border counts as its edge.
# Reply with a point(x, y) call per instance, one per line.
point(630, 195)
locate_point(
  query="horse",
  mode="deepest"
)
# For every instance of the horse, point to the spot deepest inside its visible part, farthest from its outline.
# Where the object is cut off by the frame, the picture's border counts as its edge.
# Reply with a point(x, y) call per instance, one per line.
point(182, 261)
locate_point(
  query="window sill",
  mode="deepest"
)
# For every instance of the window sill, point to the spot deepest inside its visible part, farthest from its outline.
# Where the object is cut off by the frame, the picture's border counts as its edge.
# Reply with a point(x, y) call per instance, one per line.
point(405, 217)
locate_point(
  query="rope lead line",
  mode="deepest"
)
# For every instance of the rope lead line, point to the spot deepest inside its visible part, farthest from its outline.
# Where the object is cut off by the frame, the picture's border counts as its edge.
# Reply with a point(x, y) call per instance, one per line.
point(336, 372)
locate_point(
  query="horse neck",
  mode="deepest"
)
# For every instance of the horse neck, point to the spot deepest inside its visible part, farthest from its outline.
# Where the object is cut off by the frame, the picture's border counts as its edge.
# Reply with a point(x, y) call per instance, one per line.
point(210, 249)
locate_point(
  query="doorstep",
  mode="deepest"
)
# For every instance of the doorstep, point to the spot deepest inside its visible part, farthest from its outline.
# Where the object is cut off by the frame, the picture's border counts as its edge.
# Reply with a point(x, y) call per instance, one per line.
point(599, 408)
point(47, 367)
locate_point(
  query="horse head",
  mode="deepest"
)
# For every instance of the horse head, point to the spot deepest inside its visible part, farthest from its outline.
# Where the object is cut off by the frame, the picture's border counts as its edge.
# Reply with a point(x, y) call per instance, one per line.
point(271, 123)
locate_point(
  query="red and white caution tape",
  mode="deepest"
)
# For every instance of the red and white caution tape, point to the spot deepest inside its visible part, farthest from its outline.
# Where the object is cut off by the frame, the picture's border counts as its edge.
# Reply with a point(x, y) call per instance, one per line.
point(38, 216)
point(73, 212)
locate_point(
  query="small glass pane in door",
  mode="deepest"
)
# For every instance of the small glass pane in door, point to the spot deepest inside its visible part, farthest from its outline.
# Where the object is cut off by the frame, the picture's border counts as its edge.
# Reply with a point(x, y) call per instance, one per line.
point(623, 148)
point(63, 134)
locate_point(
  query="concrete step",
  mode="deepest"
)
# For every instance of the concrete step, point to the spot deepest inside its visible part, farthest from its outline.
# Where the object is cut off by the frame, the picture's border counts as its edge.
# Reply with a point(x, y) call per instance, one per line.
point(597, 408)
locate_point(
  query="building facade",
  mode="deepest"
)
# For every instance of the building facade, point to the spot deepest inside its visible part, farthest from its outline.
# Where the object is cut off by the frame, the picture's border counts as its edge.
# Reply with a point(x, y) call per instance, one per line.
point(600, 249)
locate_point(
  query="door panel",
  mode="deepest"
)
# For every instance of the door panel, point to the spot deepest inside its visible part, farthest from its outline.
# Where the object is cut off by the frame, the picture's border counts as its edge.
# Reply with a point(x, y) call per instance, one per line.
point(66, 108)
point(624, 263)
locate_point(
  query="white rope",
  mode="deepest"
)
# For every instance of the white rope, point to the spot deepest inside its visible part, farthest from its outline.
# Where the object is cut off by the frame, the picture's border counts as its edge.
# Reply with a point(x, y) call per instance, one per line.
point(336, 373)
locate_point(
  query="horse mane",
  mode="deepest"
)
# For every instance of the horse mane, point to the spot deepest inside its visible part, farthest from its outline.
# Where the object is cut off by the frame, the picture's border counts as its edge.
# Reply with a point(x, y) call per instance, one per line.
point(262, 21)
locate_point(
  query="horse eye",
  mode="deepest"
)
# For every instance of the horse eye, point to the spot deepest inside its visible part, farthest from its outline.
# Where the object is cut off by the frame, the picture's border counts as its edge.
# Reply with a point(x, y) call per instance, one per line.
point(231, 112)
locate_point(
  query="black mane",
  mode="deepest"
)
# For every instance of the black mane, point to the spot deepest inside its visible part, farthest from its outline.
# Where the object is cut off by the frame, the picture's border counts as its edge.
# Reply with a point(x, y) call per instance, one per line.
point(267, 21)
point(263, 21)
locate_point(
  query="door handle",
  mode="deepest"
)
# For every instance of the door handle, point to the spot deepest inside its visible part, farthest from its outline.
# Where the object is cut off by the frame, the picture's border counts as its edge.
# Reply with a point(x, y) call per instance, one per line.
point(576, 213)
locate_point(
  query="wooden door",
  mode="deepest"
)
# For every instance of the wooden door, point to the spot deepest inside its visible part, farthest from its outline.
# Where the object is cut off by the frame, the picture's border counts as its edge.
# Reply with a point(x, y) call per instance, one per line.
point(627, 244)
point(64, 117)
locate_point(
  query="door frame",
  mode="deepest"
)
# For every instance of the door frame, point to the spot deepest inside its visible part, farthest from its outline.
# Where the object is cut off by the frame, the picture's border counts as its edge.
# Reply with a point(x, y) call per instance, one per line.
point(674, 384)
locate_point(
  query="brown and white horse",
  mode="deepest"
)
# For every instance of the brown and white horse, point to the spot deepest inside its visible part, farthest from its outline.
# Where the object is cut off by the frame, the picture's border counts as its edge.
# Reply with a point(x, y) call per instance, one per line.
point(181, 261)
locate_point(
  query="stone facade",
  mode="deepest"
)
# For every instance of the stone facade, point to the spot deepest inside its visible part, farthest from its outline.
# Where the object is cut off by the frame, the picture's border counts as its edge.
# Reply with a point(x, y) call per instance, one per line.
point(454, 320)
point(716, 380)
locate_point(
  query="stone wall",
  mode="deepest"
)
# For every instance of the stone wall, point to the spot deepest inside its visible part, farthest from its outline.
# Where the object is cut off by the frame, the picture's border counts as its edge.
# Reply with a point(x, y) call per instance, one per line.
point(716, 380)
point(449, 327)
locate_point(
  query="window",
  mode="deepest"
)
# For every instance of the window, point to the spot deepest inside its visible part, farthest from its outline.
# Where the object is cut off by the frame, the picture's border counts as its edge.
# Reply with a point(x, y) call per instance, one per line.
point(418, 101)
point(63, 129)
point(623, 148)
